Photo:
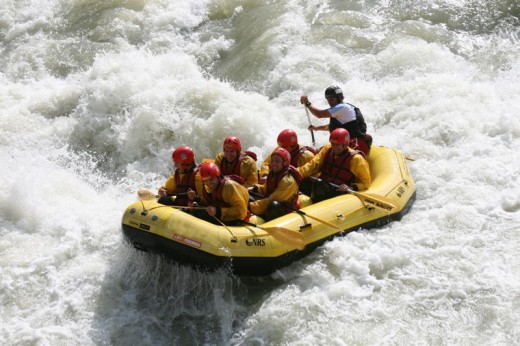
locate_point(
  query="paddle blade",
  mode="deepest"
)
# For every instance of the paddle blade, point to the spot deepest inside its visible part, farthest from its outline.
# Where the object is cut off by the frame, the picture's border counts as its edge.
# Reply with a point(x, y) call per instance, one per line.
point(145, 195)
point(374, 200)
point(284, 235)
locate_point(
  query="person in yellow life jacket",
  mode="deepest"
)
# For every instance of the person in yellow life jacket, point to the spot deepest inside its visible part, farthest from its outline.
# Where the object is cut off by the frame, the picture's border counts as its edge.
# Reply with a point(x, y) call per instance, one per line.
point(338, 164)
point(185, 178)
point(224, 198)
point(300, 154)
point(279, 194)
point(233, 161)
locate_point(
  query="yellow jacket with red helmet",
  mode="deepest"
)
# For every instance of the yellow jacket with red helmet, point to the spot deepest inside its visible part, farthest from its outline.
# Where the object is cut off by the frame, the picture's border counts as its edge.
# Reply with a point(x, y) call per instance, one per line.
point(245, 167)
point(358, 166)
point(233, 195)
point(285, 191)
point(303, 156)
point(170, 184)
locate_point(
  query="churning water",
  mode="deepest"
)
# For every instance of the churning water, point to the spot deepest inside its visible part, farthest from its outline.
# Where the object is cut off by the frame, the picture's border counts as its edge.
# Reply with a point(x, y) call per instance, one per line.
point(94, 95)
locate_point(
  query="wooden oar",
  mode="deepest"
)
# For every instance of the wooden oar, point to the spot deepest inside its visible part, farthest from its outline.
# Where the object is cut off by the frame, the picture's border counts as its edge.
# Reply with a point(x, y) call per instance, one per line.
point(283, 235)
point(233, 237)
point(313, 217)
point(310, 124)
point(146, 195)
point(373, 199)
point(185, 207)
point(301, 212)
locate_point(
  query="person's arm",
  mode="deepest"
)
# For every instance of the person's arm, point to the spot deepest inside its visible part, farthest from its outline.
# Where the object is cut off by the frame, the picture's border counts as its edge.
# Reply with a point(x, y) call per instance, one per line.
point(285, 191)
point(168, 187)
point(237, 196)
point(318, 128)
point(264, 170)
point(305, 157)
point(196, 195)
point(314, 166)
point(318, 113)
point(249, 171)
point(218, 159)
point(359, 167)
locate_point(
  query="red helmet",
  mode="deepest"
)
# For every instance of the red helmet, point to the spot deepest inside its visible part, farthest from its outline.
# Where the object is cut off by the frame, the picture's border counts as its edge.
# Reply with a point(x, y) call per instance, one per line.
point(209, 170)
point(287, 138)
point(339, 136)
point(232, 142)
point(183, 154)
point(284, 154)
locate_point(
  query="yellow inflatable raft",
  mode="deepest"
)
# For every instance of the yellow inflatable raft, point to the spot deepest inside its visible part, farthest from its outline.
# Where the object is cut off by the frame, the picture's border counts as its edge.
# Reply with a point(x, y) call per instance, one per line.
point(260, 249)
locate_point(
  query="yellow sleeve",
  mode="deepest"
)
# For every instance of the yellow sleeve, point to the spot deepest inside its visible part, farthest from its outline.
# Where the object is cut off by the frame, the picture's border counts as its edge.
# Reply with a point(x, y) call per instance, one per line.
point(218, 159)
point(283, 193)
point(237, 196)
point(261, 188)
point(313, 167)
point(169, 185)
point(359, 167)
point(198, 184)
point(305, 157)
point(249, 171)
point(264, 170)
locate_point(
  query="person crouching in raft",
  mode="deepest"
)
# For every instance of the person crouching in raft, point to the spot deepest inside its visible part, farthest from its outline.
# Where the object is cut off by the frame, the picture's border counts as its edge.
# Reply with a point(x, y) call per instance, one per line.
point(279, 193)
point(185, 178)
point(337, 165)
point(233, 161)
point(224, 198)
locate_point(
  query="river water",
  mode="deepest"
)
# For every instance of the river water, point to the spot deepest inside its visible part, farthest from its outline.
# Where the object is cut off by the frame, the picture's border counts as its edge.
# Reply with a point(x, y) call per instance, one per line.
point(95, 94)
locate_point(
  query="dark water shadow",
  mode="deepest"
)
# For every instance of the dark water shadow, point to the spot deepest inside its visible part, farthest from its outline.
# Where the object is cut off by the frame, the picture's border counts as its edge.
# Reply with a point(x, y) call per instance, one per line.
point(146, 299)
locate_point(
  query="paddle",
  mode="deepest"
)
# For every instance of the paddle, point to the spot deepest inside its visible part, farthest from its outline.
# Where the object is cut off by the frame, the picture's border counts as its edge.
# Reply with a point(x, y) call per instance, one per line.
point(313, 217)
point(233, 237)
point(310, 124)
point(373, 199)
point(283, 235)
point(300, 212)
point(146, 194)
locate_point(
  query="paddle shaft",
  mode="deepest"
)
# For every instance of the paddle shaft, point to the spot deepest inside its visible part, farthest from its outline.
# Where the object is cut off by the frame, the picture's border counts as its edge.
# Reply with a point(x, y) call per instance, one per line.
point(310, 124)
point(301, 212)
point(148, 194)
point(233, 237)
point(380, 202)
point(313, 217)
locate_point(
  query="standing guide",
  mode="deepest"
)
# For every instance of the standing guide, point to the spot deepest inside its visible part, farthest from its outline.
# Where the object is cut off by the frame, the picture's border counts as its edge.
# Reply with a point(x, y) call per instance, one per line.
point(341, 115)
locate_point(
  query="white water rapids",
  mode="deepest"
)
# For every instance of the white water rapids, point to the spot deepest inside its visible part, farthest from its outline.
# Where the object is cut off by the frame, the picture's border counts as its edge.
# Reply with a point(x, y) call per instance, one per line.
point(95, 95)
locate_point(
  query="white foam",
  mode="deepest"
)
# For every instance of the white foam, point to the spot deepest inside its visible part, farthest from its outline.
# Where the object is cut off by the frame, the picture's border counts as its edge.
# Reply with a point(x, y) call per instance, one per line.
point(95, 97)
